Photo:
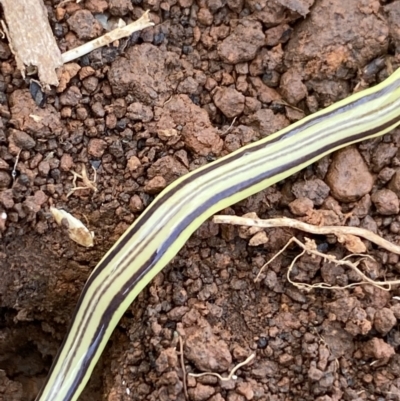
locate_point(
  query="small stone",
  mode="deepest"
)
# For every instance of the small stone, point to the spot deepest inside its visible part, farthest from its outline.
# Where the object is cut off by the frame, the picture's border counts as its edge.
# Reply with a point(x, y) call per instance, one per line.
point(71, 97)
point(315, 190)
point(179, 296)
point(155, 185)
point(96, 6)
point(292, 87)
point(176, 314)
point(189, 86)
point(362, 207)
point(394, 183)
point(86, 71)
point(133, 163)
point(382, 156)
point(206, 351)
point(384, 320)
point(301, 206)
point(22, 139)
point(245, 389)
point(168, 167)
point(4, 165)
point(229, 101)
point(96, 147)
point(66, 162)
point(271, 280)
point(136, 204)
point(201, 392)
point(266, 122)
point(167, 359)
point(119, 8)
point(139, 111)
point(348, 176)
point(90, 83)
point(44, 168)
point(5, 52)
point(315, 374)
point(386, 174)
point(369, 224)
point(243, 43)
point(98, 110)
point(5, 179)
point(85, 25)
point(377, 348)
point(6, 198)
point(258, 239)
point(168, 134)
point(386, 202)
point(277, 34)
point(30, 205)
point(204, 16)
point(396, 310)
point(40, 197)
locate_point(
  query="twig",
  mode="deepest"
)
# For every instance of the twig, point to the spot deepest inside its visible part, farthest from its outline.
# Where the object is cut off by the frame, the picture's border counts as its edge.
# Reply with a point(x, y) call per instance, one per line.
point(109, 37)
point(231, 374)
point(230, 127)
point(323, 230)
point(183, 367)
point(14, 170)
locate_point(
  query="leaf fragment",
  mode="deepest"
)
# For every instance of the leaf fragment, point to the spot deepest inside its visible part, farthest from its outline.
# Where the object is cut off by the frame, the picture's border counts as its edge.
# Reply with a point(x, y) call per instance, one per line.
point(77, 231)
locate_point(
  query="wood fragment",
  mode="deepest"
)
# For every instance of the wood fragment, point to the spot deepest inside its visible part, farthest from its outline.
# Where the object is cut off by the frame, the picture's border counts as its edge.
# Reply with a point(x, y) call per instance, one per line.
point(31, 39)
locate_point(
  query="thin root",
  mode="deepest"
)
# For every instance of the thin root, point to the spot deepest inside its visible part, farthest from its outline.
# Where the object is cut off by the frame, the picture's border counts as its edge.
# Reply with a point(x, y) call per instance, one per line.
point(87, 183)
point(311, 248)
point(318, 230)
point(231, 374)
point(183, 367)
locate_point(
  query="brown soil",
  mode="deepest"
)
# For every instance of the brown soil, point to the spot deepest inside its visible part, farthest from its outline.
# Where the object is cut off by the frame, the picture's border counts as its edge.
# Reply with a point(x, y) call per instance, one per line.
point(150, 109)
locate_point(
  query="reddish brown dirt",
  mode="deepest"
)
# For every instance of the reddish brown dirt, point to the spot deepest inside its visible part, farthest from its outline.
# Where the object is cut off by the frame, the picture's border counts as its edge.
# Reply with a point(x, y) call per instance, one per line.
point(149, 109)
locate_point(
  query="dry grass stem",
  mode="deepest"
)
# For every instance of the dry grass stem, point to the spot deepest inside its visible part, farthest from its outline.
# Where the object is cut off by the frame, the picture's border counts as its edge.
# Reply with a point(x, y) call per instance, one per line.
point(231, 374)
point(182, 360)
point(116, 34)
point(230, 127)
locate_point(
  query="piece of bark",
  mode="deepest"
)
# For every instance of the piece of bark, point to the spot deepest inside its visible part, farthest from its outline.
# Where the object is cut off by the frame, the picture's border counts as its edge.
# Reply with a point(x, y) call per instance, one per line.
point(31, 39)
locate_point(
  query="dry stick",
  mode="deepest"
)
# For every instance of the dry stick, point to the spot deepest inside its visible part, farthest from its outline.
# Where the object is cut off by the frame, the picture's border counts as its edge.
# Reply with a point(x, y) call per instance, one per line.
point(230, 127)
point(231, 374)
point(182, 359)
point(14, 170)
point(323, 230)
point(109, 37)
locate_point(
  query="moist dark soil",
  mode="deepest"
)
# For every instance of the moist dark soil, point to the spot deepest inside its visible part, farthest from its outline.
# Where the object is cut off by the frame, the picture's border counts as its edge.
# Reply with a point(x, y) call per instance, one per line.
point(208, 78)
